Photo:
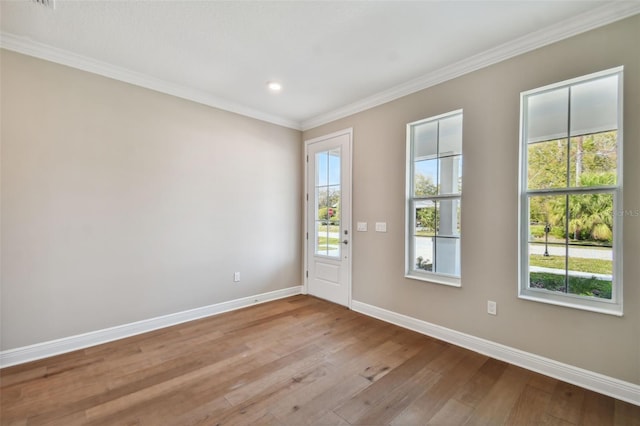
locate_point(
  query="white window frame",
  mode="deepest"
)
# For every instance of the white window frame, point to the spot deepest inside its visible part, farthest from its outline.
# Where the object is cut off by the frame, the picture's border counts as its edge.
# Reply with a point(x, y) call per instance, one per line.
point(605, 306)
point(410, 271)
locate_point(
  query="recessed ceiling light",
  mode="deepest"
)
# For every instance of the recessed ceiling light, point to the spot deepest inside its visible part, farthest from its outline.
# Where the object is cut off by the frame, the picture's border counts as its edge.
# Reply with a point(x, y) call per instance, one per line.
point(274, 86)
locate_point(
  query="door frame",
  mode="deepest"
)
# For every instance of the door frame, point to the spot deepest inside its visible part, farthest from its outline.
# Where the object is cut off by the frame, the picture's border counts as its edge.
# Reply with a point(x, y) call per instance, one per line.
point(347, 220)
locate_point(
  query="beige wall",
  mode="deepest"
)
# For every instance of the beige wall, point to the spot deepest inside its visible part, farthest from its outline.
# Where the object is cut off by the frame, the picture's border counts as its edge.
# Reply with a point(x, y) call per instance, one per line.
point(121, 204)
point(490, 99)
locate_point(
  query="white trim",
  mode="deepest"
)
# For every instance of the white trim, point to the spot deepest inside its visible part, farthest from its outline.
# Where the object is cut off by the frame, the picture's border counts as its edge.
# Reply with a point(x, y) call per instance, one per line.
point(614, 306)
point(67, 344)
point(601, 16)
point(432, 277)
point(597, 382)
point(60, 56)
point(411, 200)
point(572, 82)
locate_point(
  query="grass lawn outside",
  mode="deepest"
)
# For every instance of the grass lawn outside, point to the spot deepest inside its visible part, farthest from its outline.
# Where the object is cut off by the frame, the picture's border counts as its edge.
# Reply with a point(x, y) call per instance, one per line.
point(328, 228)
point(577, 285)
point(594, 266)
point(331, 241)
point(425, 234)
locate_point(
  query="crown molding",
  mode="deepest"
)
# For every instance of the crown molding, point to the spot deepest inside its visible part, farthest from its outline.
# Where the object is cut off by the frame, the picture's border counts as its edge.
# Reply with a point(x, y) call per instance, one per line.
point(29, 47)
point(595, 18)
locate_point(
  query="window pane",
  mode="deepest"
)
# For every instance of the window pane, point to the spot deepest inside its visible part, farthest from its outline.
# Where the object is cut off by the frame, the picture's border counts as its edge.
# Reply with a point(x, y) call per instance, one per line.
point(322, 203)
point(594, 159)
point(322, 161)
point(333, 204)
point(594, 106)
point(590, 271)
point(547, 164)
point(547, 210)
point(450, 175)
point(425, 140)
point(333, 240)
point(547, 115)
point(333, 158)
point(322, 238)
point(591, 219)
point(423, 249)
point(448, 218)
point(448, 256)
point(327, 239)
point(327, 196)
point(425, 218)
point(589, 265)
point(539, 232)
point(548, 272)
point(425, 178)
point(450, 132)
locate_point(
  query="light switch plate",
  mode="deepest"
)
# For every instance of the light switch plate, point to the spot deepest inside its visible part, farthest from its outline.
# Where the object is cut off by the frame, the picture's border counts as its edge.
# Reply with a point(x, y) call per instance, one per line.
point(381, 226)
point(362, 226)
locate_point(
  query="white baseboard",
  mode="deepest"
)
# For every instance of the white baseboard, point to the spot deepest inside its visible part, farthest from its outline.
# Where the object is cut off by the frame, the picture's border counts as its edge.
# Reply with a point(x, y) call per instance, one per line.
point(600, 383)
point(67, 344)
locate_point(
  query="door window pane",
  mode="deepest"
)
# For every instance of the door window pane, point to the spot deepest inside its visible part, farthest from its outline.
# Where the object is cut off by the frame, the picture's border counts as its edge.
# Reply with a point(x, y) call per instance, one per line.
point(333, 167)
point(328, 201)
point(322, 239)
point(322, 175)
point(322, 203)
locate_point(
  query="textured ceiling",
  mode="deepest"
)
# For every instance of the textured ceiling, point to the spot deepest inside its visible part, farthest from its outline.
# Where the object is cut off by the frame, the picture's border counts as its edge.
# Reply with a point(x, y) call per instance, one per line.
point(327, 55)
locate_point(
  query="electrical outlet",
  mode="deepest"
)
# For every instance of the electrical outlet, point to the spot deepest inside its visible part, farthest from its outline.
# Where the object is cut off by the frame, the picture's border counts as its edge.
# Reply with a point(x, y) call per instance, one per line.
point(492, 307)
point(236, 277)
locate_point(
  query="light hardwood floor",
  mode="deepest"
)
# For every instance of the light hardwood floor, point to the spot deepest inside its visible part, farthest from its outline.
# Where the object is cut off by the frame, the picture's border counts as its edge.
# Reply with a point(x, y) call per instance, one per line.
point(294, 361)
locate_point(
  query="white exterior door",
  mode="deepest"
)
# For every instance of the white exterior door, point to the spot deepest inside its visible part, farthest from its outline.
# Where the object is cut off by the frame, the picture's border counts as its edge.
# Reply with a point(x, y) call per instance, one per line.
point(328, 217)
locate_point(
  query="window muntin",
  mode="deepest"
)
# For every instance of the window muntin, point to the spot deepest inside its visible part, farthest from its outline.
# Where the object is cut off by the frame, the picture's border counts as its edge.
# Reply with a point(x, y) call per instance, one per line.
point(434, 190)
point(570, 236)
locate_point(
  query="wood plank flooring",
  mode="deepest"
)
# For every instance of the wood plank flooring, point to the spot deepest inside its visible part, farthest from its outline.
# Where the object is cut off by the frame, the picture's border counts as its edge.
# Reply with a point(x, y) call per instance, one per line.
point(295, 361)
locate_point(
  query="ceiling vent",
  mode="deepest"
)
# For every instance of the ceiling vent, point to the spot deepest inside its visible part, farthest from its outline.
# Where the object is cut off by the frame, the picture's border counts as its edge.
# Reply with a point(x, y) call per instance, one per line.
point(51, 4)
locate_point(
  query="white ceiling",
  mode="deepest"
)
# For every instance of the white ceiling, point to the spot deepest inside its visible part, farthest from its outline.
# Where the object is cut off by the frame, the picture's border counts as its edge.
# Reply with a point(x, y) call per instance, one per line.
point(333, 58)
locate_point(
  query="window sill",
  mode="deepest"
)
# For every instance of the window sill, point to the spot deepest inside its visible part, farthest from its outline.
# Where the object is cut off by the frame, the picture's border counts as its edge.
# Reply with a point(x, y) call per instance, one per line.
point(608, 308)
point(434, 278)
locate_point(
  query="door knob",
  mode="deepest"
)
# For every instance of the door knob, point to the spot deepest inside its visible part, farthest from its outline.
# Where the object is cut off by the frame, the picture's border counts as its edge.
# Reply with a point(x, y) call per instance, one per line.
point(345, 242)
